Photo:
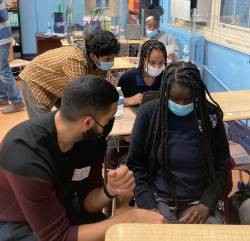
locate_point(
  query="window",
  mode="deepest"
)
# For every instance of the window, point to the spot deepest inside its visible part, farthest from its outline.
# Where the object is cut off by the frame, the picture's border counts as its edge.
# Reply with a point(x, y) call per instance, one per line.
point(228, 24)
point(235, 12)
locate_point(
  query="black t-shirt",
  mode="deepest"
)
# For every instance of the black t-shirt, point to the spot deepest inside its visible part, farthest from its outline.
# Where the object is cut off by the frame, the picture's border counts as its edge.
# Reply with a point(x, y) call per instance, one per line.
point(39, 182)
point(132, 83)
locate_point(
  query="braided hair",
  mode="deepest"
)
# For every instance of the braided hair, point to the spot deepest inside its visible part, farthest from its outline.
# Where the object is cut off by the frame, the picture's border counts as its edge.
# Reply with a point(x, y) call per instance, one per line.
point(188, 75)
point(146, 50)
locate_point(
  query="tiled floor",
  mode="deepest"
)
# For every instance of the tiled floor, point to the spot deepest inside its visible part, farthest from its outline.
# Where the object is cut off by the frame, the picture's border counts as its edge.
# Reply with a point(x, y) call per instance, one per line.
point(10, 120)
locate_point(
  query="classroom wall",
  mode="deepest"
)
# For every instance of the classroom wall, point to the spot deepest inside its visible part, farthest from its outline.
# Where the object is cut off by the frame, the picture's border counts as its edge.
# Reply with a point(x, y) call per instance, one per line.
point(34, 17)
point(223, 68)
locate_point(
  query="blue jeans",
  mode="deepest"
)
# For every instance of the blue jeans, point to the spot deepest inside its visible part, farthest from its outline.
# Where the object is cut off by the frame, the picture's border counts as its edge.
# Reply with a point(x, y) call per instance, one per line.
point(16, 232)
point(8, 88)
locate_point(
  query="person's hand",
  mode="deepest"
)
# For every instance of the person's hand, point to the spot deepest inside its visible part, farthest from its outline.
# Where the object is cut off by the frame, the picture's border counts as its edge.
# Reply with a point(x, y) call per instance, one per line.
point(137, 215)
point(121, 182)
point(195, 214)
point(135, 100)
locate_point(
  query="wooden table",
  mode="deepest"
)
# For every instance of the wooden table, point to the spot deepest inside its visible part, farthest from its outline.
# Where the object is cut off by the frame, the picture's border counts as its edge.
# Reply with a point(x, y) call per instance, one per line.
point(234, 104)
point(124, 63)
point(131, 41)
point(46, 42)
point(177, 232)
point(123, 126)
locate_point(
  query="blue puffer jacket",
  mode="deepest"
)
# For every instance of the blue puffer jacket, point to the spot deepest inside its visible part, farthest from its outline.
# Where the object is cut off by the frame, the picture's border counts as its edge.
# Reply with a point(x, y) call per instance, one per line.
point(5, 29)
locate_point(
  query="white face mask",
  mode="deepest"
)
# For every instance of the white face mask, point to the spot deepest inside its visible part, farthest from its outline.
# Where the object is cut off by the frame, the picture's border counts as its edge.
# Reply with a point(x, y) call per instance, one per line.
point(154, 72)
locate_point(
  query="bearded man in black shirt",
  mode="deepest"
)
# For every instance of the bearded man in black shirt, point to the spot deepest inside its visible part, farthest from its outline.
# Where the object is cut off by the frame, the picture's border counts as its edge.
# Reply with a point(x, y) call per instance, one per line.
point(51, 181)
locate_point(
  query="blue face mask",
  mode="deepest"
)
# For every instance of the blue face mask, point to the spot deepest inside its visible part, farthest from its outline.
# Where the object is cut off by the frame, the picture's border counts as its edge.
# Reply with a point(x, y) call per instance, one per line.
point(180, 110)
point(105, 65)
point(152, 34)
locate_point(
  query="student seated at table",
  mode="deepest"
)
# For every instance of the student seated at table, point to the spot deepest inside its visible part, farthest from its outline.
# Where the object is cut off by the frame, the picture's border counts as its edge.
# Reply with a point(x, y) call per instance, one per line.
point(147, 76)
point(153, 32)
point(179, 151)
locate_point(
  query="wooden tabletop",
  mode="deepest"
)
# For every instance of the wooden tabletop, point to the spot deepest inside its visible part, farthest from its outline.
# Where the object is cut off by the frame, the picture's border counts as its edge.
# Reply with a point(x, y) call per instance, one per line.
point(235, 104)
point(131, 41)
point(177, 232)
point(124, 63)
point(124, 126)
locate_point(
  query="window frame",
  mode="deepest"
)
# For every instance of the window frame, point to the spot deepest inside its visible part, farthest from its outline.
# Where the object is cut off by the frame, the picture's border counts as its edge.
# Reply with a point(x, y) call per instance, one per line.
point(228, 35)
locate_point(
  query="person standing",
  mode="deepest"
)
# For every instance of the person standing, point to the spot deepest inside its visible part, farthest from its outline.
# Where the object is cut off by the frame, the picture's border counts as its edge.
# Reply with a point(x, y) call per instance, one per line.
point(10, 95)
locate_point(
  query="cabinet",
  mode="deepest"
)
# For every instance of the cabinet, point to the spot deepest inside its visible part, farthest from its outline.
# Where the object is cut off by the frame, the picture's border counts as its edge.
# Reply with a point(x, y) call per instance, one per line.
point(45, 42)
point(14, 19)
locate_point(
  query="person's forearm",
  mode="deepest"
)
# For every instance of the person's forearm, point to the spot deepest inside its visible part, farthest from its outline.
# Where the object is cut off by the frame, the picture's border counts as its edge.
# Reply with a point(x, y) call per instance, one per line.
point(96, 200)
point(127, 101)
point(95, 231)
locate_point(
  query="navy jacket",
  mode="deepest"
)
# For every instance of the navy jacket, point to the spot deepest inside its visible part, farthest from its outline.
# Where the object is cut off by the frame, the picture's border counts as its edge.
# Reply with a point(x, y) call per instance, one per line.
point(138, 160)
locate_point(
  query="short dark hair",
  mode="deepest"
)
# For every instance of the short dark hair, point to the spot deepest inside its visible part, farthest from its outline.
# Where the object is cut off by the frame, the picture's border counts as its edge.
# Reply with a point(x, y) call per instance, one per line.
point(87, 95)
point(101, 43)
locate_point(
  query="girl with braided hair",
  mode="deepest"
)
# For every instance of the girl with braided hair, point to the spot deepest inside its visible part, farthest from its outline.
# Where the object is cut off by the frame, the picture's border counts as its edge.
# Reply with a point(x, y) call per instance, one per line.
point(147, 76)
point(179, 151)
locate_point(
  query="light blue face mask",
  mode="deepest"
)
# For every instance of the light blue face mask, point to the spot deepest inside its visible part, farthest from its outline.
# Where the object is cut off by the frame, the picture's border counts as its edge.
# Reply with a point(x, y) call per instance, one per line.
point(152, 34)
point(180, 110)
point(105, 65)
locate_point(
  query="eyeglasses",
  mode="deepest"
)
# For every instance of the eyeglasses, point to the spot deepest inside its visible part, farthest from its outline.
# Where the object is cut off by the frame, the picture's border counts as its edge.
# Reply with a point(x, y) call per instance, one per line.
point(99, 124)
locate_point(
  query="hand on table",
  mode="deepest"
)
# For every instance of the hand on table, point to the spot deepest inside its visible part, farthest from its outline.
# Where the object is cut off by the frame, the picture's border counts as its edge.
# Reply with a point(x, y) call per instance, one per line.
point(195, 214)
point(134, 100)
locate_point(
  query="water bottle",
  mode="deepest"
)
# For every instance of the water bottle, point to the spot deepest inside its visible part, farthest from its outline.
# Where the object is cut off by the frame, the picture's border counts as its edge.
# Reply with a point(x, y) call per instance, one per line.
point(122, 34)
point(120, 107)
point(49, 29)
point(185, 53)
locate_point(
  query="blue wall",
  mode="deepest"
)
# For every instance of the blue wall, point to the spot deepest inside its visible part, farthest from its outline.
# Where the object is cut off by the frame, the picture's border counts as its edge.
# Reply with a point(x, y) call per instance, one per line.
point(226, 69)
point(34, 16)
point(223, 68)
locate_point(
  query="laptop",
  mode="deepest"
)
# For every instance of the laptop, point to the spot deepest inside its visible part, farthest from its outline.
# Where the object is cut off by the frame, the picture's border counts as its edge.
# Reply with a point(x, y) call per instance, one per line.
point(146, 96)
point(133, 31)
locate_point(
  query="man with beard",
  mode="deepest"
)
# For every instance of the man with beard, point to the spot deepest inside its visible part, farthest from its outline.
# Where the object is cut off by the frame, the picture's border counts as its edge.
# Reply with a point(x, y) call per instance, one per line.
point(51, 181)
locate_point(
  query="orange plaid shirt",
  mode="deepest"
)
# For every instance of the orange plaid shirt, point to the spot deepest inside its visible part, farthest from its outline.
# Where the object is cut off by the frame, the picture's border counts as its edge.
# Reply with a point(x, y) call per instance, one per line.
point(49, 73)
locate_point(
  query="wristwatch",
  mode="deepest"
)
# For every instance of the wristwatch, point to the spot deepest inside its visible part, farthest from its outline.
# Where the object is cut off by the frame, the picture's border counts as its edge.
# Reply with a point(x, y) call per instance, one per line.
point(107, 193)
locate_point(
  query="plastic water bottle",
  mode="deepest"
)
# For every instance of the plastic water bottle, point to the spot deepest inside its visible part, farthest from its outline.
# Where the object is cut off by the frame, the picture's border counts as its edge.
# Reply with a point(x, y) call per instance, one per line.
point(185, 53)
point(49, 29)
point(120, 108)
point(122, 33)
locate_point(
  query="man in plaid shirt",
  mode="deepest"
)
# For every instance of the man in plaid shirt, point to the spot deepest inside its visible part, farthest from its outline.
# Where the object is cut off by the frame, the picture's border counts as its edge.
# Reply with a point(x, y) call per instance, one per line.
point(47, 75)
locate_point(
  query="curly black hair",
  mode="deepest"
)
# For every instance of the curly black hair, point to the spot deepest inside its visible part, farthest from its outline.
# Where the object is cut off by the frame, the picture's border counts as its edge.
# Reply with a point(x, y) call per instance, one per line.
point(101, 43)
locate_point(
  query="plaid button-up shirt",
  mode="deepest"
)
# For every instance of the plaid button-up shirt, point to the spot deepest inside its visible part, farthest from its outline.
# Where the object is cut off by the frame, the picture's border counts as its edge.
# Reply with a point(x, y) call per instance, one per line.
point(49, 73)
